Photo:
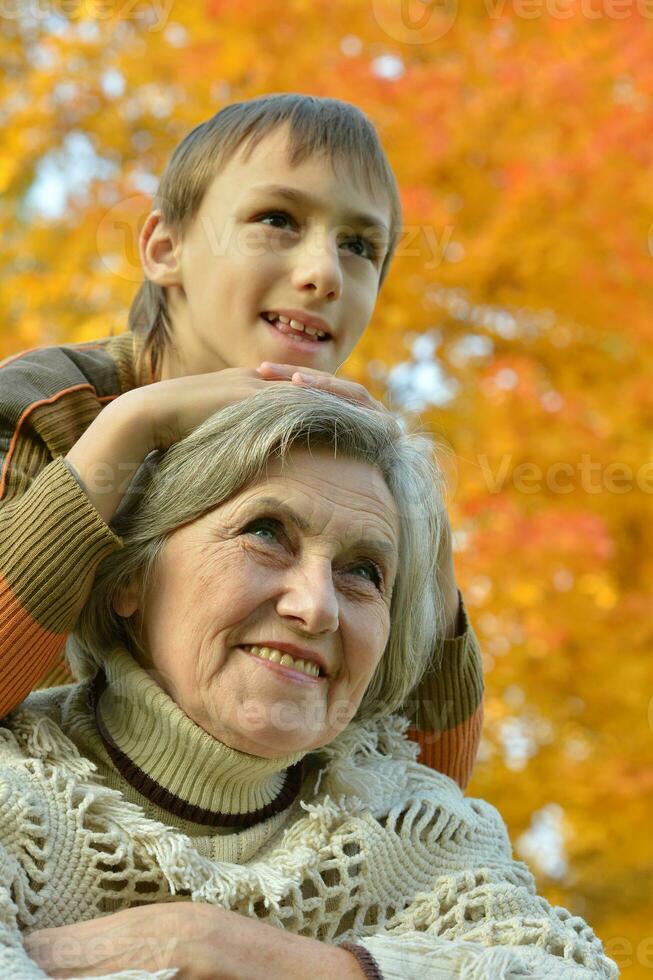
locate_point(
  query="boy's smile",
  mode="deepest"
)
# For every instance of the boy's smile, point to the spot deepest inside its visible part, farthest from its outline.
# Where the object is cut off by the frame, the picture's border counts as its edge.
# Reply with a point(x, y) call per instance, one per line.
point(280, 264)
point(299, 325)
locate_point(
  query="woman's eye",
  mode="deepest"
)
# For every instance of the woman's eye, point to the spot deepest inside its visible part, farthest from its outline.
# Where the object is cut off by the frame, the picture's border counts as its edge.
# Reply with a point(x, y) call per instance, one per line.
point(372, 570)
point(272, 528)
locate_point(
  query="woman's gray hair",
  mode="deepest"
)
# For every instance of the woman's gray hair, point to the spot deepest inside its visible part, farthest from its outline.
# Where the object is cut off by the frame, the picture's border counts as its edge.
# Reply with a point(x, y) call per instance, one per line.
point(228, 452)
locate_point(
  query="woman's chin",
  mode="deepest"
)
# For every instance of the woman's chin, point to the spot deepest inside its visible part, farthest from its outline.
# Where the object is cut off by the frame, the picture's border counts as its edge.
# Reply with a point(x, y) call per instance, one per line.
point(271, 729)
point(270, 744)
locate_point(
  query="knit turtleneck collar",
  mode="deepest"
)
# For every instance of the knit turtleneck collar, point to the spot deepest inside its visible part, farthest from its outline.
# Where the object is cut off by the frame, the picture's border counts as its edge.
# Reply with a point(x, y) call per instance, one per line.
point(176, 764)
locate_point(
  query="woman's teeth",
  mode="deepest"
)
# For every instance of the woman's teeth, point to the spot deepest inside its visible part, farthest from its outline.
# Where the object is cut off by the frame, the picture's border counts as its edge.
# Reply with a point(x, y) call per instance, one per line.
point(267, 653)
point(281, 322)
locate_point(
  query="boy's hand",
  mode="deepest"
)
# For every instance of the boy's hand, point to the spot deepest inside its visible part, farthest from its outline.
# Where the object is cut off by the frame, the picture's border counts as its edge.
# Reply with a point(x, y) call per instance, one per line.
point(170, 409)
point(109, 453)
point(308, 377)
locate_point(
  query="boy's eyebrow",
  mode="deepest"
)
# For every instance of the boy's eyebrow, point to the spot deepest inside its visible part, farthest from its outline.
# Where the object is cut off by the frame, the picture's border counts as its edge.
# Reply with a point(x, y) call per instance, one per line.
point(301, 197)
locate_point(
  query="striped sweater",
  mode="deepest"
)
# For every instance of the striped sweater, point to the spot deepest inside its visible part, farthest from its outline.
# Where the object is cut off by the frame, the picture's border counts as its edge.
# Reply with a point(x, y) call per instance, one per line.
point(52, 540)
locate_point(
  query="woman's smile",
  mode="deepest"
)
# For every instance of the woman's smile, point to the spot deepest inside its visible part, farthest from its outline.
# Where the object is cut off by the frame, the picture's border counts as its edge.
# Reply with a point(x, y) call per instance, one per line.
point(283, 671)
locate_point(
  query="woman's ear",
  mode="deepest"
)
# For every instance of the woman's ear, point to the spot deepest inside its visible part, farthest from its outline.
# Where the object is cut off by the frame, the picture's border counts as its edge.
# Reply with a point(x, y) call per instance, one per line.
point(126, 601)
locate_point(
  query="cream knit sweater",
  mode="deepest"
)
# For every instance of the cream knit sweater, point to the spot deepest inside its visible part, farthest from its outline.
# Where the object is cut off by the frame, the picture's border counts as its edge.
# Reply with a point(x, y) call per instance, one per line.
point(110, 797)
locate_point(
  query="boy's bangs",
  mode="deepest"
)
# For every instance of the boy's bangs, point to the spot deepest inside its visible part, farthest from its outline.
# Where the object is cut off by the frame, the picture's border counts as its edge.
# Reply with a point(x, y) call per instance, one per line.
point(348, 148)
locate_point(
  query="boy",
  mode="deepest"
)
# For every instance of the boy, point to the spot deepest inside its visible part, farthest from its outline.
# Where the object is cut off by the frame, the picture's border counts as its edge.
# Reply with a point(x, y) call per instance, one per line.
point(230, 302)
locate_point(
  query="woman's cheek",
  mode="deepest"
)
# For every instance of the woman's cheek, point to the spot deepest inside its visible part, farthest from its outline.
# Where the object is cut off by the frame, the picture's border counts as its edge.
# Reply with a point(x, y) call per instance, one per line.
point(242, 578)
point(370, 636)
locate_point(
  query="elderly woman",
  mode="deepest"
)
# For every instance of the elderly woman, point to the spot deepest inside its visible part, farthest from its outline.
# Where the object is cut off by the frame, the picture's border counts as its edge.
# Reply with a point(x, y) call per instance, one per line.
point(229, 792)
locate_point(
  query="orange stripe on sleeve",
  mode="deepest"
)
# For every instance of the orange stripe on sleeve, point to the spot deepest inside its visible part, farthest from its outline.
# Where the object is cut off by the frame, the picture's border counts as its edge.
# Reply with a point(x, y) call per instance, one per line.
point(32, 648)
point(453, 751)
point(91, 345)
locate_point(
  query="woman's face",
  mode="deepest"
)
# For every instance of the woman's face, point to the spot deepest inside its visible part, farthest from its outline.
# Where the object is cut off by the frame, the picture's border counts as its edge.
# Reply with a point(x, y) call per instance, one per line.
point(302, 563)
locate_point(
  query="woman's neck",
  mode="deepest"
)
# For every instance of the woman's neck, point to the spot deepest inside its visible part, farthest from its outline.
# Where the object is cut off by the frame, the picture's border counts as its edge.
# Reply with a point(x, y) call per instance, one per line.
point(175, 764)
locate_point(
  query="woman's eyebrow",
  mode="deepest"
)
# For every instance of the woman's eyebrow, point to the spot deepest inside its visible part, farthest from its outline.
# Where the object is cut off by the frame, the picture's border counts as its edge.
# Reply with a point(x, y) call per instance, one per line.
point(301, 197)
point(378, 544)
point(284, 511)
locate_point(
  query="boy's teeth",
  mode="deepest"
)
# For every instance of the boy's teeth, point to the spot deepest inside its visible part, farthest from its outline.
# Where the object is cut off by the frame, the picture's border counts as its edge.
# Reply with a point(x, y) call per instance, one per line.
point(267, 653)
point(297, 325)
point(302, 326)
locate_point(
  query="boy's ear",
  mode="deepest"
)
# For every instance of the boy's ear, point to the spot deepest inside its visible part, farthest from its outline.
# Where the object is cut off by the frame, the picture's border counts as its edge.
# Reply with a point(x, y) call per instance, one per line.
point(126, 601)
point(159, 250)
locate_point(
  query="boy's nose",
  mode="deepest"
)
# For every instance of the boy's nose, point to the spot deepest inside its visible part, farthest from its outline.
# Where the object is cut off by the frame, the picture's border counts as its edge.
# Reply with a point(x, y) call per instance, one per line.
point(317, 266)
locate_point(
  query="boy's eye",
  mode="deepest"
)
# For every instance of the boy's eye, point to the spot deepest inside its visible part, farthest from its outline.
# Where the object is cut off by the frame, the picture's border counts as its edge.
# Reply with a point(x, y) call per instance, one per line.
point(273, 214)
point(369, 250)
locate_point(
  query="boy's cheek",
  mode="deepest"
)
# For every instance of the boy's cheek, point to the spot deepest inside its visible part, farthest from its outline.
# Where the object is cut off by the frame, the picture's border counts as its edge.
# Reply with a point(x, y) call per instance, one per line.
point(251, 243)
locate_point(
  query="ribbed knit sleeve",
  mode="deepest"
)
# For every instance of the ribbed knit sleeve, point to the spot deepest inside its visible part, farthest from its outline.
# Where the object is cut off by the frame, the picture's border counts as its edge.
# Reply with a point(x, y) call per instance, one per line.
point(51, 537)
point(446, 708)
point(51, 541)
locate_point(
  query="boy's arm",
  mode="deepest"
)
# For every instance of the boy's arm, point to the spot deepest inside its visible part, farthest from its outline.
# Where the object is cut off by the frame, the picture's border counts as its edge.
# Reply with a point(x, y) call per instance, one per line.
point(446, 707)
point(51, 541)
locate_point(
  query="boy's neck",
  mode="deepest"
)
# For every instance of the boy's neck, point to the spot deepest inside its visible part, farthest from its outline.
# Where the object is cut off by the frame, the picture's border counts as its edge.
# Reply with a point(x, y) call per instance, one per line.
point(168, 366)
point(182, 354)
point(177, 363)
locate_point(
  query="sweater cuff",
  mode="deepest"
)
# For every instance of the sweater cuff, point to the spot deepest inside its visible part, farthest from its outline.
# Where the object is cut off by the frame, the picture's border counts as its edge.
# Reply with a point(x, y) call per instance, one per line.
point(366, 961)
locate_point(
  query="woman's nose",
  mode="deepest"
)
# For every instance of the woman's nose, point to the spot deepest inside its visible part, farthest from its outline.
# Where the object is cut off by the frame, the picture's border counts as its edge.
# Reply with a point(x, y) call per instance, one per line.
point(317, 267)
point(310, 598)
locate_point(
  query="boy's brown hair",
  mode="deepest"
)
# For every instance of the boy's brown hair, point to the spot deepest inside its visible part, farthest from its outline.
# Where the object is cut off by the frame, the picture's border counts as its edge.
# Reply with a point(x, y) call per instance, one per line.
point(317, 126)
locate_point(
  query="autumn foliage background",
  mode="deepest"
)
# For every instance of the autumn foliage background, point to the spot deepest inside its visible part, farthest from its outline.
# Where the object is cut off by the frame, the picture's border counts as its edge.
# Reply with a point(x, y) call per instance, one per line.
point(516, 322)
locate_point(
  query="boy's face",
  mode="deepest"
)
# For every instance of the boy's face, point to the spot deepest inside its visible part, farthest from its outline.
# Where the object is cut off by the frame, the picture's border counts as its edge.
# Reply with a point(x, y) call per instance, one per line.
point(251, 252)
